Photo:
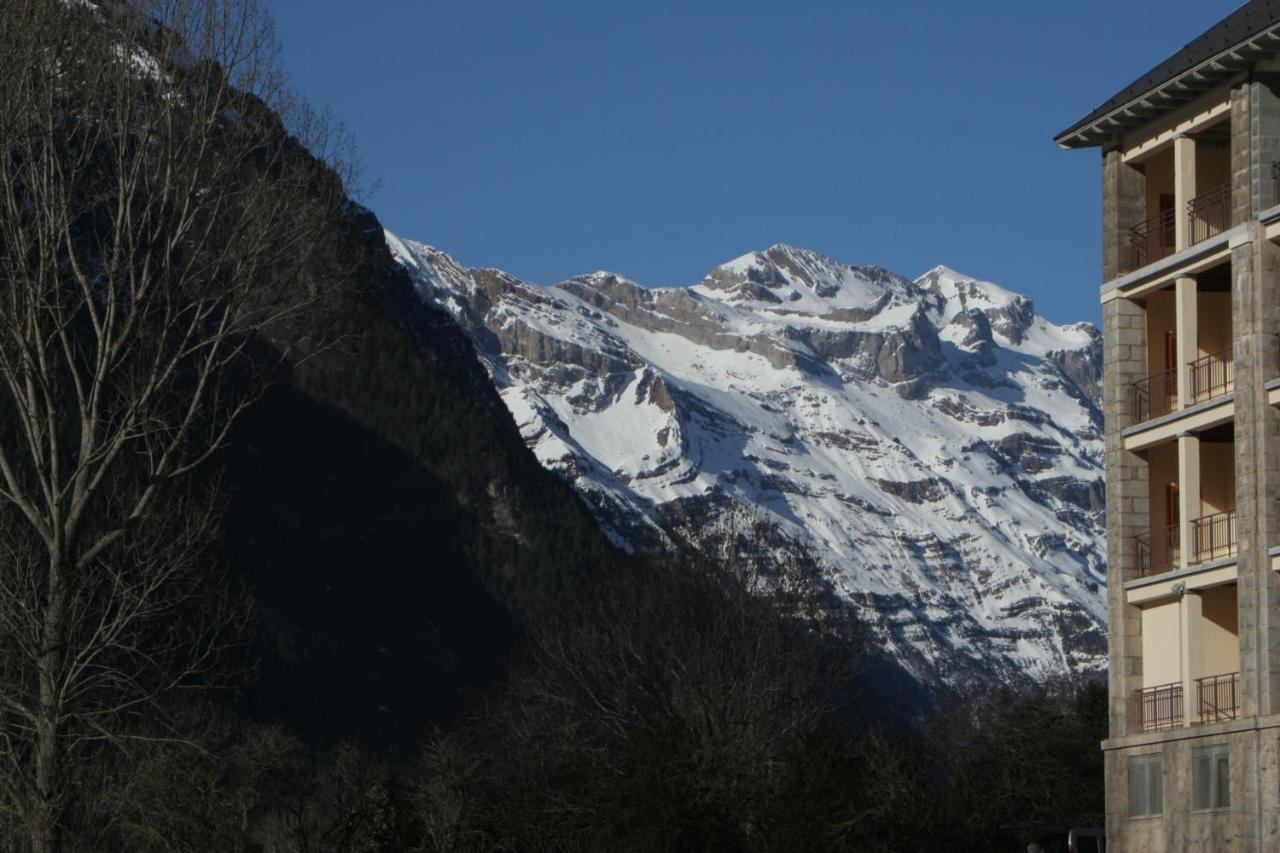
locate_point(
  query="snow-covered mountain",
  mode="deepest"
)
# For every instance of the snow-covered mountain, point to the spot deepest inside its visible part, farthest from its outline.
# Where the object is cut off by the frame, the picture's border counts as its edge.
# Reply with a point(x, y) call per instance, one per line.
point(937, 440)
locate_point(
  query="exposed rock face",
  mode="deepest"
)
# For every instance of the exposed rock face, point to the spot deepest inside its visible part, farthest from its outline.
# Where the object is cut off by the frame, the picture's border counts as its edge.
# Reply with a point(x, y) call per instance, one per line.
point(936, 440)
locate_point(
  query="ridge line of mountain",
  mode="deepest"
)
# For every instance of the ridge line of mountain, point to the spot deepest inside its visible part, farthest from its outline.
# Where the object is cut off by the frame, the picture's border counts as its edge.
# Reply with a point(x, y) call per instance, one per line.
point(937, 440)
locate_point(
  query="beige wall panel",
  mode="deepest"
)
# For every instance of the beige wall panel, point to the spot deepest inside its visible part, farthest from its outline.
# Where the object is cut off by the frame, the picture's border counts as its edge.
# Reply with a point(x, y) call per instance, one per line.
point(1163, 461)
point(1161, 318)
point(1220, 634)
point(1213, 165)
point(1215, 322)
point(1159, 170)
point(1160, 644)
point(1217, 477)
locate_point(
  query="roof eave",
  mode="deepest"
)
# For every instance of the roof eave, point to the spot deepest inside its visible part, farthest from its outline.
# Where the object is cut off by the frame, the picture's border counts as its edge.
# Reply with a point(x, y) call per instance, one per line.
point(1172, 93)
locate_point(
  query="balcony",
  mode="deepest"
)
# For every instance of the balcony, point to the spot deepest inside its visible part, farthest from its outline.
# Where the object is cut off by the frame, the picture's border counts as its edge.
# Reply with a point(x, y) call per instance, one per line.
point(1154, 396)
point(1218, 697)
point(1158, 551)
point(1208, 215)
point(1153, 239)
point(1160, 707)
point(1213, 376)
point(1213, 537)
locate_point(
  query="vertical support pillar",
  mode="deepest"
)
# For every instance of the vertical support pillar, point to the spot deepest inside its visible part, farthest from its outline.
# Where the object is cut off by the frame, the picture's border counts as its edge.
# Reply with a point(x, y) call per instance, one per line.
point(1254, 323)
point(1264, 144)
point(1128, 502)
point(1188, 326)
point(1184, 187)
point(1191, 614)
point(1242, 152)
point(1188, 496)
point(1124, 202)
point(1255, 265)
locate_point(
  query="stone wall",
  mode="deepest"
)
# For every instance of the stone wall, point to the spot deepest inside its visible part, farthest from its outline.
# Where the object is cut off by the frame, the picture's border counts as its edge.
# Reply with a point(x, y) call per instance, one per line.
point(1124, 190)
point(1124, 361)
point(1256, 318)
point(1264, 140)
point(1241, 154)
point(1255, 788)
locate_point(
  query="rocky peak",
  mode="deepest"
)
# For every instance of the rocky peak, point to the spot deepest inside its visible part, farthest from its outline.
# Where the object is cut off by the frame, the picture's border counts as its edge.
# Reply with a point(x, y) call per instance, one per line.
point(956, 295)
point(935, 439)
point(804, 281)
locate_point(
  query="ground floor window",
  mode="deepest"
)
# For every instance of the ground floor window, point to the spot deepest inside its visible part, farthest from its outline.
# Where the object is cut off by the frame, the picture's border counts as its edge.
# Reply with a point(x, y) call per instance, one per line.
point(1146, 785)
point(1211, 777)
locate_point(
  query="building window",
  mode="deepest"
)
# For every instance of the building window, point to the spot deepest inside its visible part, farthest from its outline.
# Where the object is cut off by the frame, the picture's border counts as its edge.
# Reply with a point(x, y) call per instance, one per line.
point(1211, 778)
point(1146, 785)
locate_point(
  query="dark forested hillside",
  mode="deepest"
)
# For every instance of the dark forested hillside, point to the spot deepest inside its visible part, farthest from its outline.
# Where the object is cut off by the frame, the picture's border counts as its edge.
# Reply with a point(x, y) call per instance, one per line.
point(237, 457)
point(395, 530)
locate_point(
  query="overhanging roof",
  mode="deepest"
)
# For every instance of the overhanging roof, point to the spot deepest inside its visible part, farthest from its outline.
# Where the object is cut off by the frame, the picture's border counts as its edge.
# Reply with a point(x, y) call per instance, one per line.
point(1234, 44)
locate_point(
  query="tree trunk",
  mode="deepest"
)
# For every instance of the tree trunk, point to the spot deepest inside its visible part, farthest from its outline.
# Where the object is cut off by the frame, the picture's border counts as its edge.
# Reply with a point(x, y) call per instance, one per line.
point(44, 829)
point(46, 809)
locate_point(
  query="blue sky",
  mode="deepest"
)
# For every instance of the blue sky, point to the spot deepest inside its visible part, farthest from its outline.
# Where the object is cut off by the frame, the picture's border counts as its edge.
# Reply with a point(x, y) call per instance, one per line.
point(657, 139)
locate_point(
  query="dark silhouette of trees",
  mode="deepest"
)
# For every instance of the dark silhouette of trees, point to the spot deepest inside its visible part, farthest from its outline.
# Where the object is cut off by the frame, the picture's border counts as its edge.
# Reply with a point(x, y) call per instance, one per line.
point(719, 702)
point(673, 707)
point(154, 219)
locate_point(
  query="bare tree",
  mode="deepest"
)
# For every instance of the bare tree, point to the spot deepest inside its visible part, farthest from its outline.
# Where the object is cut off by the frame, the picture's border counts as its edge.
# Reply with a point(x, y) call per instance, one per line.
point(158, 210)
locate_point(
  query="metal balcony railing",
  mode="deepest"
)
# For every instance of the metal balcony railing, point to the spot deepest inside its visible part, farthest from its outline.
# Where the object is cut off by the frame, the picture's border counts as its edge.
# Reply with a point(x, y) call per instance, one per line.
point(1213, 376)
point(1157, 551)
point(1154, 396)
point(1154, 238)
point(1160, 707)
point(1209, 214)
point(1213, 537)
point(1218, 697)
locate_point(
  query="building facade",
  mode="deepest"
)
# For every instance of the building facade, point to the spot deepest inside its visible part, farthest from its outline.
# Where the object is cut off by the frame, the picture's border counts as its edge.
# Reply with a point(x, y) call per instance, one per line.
point(1191, 329)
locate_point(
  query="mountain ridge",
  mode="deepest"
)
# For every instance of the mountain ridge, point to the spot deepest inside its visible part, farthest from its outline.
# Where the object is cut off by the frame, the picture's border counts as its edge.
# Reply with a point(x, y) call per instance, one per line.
point(937, 440)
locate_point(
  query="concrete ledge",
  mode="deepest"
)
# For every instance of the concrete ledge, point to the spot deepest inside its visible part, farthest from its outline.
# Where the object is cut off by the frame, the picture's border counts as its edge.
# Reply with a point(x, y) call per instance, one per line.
point(1248, 724)
point(1157, 268)
point(1271, 214)
point(1188, 412)
point(1179, 574)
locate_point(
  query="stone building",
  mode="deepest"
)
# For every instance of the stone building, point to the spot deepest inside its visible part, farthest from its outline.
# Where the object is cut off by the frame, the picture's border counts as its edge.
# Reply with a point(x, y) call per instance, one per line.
point(1191, 318)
